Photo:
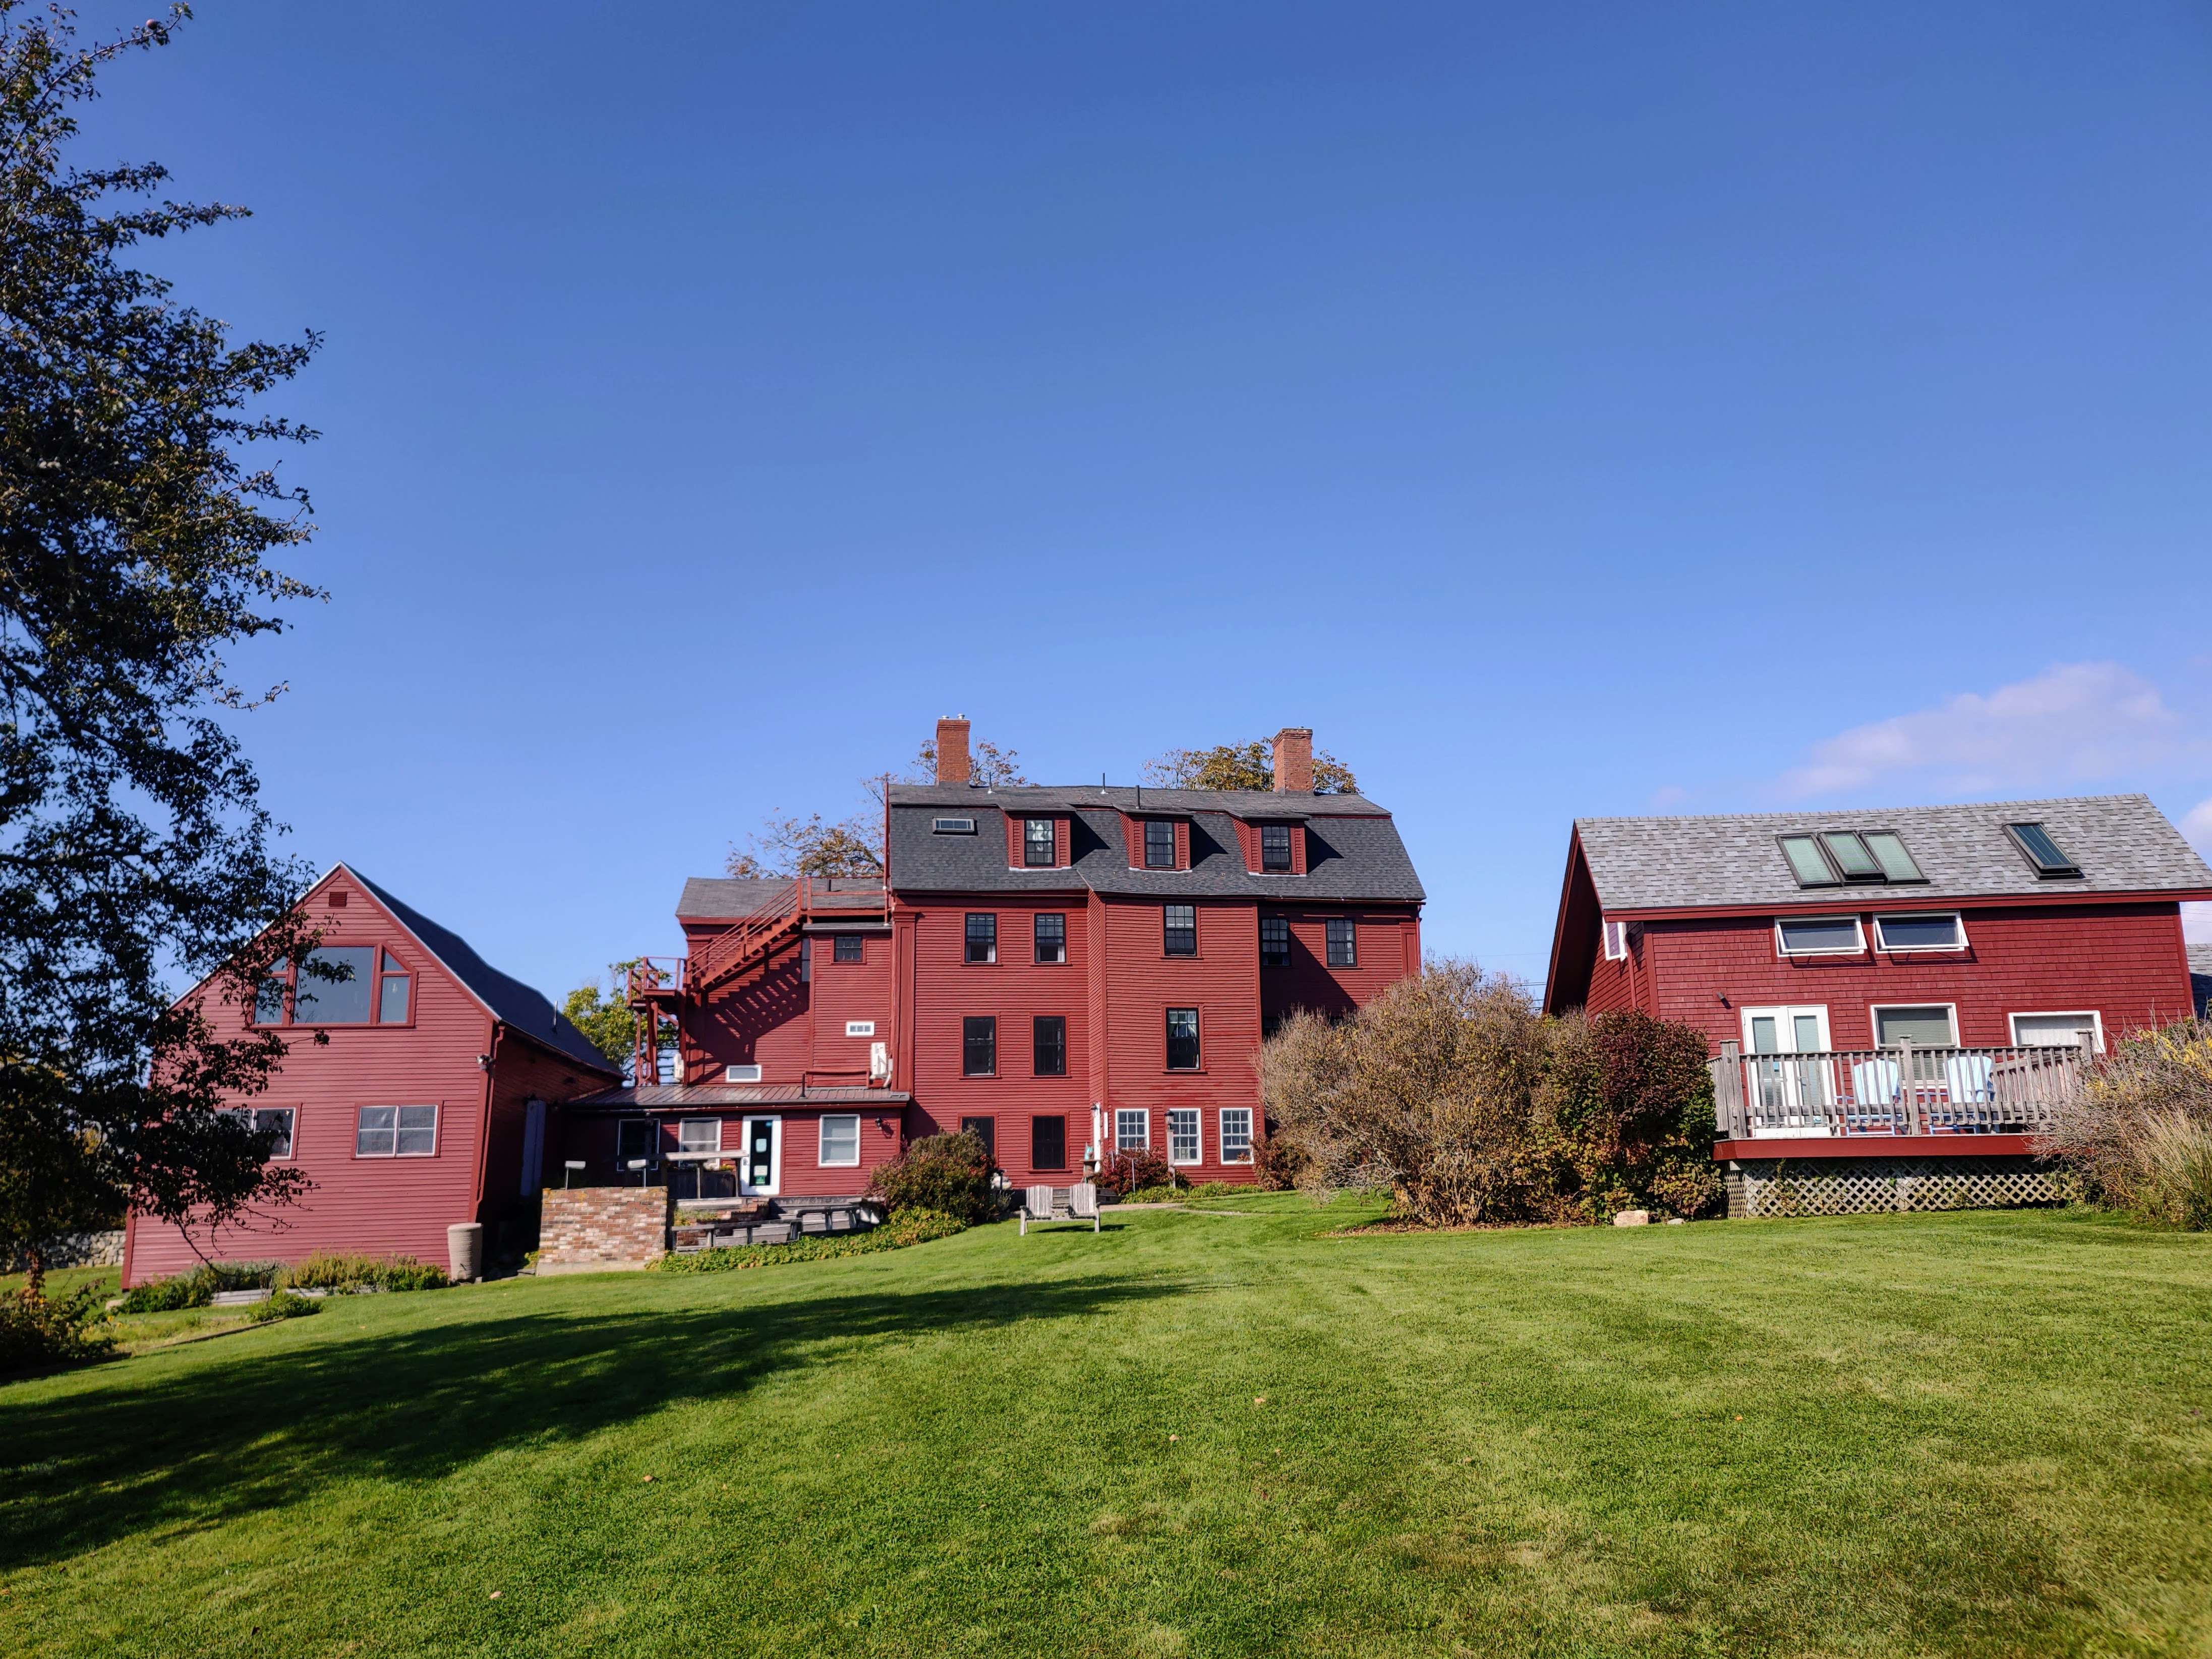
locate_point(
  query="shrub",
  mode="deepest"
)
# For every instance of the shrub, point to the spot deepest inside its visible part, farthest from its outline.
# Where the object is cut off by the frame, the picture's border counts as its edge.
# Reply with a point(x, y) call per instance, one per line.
point(39, 1331)
point(2140, 1134)
point(281, 1305)
point(1278, 1162)
point(1134, 1171)
point(322, 1272)
point(950, 1174)
point(1454, 1094)
point(913, 1226)
point(198, 1288)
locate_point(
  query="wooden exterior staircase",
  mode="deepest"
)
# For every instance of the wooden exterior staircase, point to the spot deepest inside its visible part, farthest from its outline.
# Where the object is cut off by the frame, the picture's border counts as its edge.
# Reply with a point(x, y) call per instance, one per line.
point(659, 987)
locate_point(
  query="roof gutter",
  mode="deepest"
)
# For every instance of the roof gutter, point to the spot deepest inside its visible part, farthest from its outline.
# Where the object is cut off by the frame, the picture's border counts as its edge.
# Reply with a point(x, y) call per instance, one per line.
point(1873, 897)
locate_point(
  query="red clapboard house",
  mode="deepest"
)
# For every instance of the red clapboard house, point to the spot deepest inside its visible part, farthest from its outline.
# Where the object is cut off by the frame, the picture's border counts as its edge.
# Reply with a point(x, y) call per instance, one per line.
point(427, 1108)
point(1894, 1000)
point(1061, 970)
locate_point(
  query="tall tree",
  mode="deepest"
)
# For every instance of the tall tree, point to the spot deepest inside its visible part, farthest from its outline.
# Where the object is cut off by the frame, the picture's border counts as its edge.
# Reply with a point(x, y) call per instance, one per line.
point(1242, 766)
point(133, 535)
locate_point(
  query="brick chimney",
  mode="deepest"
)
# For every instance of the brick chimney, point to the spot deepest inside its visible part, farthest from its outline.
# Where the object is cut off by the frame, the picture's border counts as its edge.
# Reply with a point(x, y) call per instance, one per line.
point(952, 750)
point(1294, 761)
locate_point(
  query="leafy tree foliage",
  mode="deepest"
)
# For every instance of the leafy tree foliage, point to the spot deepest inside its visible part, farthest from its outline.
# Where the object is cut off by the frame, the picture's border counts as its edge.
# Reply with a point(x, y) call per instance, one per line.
point(605, 1017)
point(809, 846)
point(987, 764)
point(1242, 766)
point(134, 539)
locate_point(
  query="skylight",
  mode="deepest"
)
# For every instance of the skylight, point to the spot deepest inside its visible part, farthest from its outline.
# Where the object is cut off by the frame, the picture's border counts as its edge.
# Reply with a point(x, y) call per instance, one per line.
point(2042, 851)
point(1834, 857)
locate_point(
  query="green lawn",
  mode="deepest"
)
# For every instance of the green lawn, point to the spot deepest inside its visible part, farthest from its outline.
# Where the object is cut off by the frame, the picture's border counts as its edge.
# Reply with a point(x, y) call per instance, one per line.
point(1195, 1434)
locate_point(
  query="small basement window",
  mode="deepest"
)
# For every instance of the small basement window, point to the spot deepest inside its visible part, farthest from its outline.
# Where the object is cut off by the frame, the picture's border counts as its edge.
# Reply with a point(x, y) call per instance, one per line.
point(1939, 931)
point(952, 826)
point(1819, 936)
point(2049, 859)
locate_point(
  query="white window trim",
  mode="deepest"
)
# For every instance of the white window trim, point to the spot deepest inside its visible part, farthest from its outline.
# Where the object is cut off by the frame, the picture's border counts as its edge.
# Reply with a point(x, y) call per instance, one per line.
point(860, 1027)
point(1876, 1010)
point(2096, 1019)
point(683, 1145)
point(1615, 940)
point(1221, 1131)
point(1788, 1013)
point(822, 1144)
point(1186, 1162)
point(1135, 1111)
point(774, 1187)
point(1881, 941)
point(741, 1073)
point(1858, 933)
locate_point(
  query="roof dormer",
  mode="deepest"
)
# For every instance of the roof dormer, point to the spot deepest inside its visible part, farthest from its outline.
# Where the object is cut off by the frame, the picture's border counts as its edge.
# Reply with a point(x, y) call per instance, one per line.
point(1272, 847)
point(1157, 841)
point(1037, 840)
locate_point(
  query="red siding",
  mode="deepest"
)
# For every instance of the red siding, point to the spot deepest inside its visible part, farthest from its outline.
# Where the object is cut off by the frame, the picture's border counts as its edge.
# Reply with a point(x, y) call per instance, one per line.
point(523, 1071)
point(374, 1206)
point(2125, 961)
point(1388, 949)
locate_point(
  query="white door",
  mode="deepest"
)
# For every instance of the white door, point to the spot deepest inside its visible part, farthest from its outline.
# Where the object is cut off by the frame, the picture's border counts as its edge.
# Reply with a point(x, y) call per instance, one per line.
point(1789, 1097)
point(760, 1166)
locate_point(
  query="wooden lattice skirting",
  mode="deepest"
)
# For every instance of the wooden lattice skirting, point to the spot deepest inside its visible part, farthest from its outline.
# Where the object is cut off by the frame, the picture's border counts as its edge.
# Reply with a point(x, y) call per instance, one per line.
point(1768, 1186)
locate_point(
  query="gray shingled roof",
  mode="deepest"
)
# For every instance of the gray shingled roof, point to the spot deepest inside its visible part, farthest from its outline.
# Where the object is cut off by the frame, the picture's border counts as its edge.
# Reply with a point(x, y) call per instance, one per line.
point(716, 1096)
point(510, 1000)
point(2122, 842)
point(1353, 851)
point(715, 898)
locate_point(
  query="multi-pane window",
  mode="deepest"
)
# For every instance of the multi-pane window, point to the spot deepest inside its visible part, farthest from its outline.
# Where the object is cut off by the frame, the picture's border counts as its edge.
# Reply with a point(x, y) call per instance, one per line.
point(1274, 846)
point(1183, 1039)
point(344, 992)
point(1834, 856)
point(1343, 943)
point(1183, 1136)
point(1236, 1134)
point(982, 938)
point(274, 1122)
point(985, 1130)
point(1274, 942)
point(1037, 841)
point(699, 1134)
point(395, 1132)
point(1049, 1143)
point(1159, 844)
point(840, 1142)
point(1179, 929)
point(979, 1046)
point(1051, 936)
point(1132, 1129)
point(1048, 1045)
point(849, 947)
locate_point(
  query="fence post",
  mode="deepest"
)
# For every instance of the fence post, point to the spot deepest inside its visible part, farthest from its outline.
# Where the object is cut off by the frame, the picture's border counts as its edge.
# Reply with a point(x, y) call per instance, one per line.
point(1909, 1090)
point(1729, 1096)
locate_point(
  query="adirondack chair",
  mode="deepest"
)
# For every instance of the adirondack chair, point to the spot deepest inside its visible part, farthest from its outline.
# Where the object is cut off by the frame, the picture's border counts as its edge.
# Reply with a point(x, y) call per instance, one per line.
point(1036, 1205)
point(1083, 1203)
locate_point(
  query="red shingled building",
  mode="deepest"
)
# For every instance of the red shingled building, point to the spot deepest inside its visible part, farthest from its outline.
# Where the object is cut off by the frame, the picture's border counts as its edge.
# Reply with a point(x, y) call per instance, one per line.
point(1063, 970)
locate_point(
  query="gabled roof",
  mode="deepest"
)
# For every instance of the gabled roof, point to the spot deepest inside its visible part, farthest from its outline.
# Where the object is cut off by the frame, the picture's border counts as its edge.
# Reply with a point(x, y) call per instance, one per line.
point(1352, 848)
point(2122, 844)
point(506, 998)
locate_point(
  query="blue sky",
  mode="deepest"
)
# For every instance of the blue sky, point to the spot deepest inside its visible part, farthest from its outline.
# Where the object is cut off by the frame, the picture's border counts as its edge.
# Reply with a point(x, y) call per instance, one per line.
point(1563, 410)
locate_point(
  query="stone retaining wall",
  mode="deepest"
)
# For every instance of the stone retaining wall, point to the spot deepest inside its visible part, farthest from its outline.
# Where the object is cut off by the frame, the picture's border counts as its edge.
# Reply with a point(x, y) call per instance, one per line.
point(592, 1229)
point(1770, 1187)
point(80, 1251)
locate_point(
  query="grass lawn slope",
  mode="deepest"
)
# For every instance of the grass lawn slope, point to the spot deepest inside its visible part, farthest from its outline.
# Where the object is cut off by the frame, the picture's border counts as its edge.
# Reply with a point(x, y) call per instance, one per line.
point(1193, 1434)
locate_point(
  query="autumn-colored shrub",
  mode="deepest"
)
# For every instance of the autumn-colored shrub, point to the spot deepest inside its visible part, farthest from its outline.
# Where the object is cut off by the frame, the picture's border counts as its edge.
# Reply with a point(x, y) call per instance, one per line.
point(2140, 1134)
point(1134, 1171)
point(39, 1331)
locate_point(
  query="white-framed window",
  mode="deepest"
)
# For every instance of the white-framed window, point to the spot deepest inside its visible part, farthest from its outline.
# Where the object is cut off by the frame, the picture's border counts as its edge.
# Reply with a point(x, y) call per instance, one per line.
point(273, 1121)
point(1184, 1135)
point(1616, 941)
point(699, 1134)
point(2061, 1030)
point(840, 1142)
point(1920, 930)
point(741, 1074)
point(1132, 1130)
point(1922, 1024)
point(1819, 936)
point(395, 1132)
point(860, 1027)
point(1236, 1134)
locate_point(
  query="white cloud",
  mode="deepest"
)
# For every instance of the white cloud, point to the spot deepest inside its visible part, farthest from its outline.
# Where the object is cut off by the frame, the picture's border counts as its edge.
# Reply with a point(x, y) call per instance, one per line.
point(2196, 824)
point(2072, 724)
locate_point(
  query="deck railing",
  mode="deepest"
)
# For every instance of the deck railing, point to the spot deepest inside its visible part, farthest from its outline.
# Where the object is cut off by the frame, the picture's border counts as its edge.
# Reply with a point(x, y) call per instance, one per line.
point(1907, 1089)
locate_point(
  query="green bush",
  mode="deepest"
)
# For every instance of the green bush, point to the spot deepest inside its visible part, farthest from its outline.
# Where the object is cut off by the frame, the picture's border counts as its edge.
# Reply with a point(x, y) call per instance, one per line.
point(38, 1331)
point(322, 1272)
point(904, 1228)
point(198, 1288)
point(282, 1305)
point(950, 1174)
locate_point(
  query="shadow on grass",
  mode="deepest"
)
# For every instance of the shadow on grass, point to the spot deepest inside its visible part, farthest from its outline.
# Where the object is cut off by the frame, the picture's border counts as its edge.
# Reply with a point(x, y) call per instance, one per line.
point(260, 1432)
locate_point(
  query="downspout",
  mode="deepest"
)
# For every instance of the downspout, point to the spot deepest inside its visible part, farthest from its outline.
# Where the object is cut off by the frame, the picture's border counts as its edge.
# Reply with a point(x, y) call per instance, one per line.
point(483, 1125)
point(890, 905)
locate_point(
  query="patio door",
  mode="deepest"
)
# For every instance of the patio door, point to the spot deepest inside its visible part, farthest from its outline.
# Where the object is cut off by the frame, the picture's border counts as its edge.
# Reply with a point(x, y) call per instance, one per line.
point(1790, 1096)
point(760, 1165)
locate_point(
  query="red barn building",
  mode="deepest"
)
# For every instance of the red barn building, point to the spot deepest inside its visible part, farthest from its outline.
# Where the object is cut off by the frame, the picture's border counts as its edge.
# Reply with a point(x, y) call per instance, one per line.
point(427, 1108)
point(1063, 970)
point(1894, 997)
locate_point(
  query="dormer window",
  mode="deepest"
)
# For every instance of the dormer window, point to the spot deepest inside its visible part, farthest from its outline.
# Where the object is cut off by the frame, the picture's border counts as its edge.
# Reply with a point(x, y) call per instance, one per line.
point(1159, 844)
point(1835, 857)
point(2049, 859)
point(1038, 843)
point(1275, 847)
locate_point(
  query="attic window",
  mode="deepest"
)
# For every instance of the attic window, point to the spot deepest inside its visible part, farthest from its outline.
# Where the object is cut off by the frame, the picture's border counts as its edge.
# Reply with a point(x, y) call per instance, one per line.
point(952, 826)
point(2044, 853)
point(1834, 857)
point(337, 901)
